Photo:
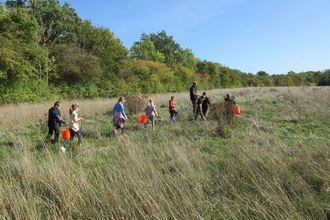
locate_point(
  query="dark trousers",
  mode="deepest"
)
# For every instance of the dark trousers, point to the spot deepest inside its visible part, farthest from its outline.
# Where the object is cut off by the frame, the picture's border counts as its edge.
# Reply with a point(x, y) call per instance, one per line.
point(72, 134)
point(194, 102)
point(173, 112)
point(51, 132)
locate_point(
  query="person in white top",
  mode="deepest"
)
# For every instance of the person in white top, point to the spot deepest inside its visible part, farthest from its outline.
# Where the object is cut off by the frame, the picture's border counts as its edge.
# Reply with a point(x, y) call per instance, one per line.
point(74, 126)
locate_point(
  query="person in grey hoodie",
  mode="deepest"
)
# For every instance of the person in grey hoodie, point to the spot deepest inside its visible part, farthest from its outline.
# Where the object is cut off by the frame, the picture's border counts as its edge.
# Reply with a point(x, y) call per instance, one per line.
point(54, 122)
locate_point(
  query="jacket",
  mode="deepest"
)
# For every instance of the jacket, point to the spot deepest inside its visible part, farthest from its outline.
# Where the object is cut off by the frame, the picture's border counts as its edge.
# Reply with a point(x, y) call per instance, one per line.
point(54, 120)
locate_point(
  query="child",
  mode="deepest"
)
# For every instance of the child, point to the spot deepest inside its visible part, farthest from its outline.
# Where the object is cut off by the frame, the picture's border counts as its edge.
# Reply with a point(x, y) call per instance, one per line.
point(74, 126)
point(172, 106)
point(54, 122)
point(151, 113)
point(199, 109)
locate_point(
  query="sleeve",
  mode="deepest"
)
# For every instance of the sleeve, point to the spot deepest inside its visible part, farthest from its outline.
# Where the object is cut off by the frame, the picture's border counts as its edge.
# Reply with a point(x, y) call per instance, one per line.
point(58, 119)
point(123, 111)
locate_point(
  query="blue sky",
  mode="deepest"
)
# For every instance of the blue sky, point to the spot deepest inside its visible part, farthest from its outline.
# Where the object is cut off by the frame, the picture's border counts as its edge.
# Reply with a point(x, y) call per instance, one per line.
point(276, 36)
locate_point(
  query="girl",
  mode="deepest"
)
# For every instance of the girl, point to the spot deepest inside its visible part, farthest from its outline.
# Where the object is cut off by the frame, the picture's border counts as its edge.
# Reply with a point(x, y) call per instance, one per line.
point(119, 116)
point(151, 113)
point(74, 126)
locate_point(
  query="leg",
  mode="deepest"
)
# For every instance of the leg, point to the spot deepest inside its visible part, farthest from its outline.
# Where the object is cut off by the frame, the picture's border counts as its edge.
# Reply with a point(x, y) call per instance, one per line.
point(194, 105)
point(79, 135)
point(152, 119)
point(50, 133)
point(67, 142)
point(57, 134)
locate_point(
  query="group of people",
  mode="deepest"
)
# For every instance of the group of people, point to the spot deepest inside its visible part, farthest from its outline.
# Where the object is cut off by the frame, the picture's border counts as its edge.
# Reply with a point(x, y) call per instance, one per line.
point(200, 104)
point(55, 121)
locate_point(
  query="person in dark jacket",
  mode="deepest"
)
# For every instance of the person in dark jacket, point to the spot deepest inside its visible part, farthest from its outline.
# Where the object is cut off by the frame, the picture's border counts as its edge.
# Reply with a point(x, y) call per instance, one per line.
point(206, 104)
point(230, 99)
point(54, 122)
point(199, 108)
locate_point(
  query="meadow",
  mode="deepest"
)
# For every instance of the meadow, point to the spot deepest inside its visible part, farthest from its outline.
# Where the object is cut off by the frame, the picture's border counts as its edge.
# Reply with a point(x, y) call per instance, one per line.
point(274, 165)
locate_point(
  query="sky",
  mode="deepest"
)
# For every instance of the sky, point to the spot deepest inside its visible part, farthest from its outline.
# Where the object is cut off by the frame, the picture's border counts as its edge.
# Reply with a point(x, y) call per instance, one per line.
point(275, 36)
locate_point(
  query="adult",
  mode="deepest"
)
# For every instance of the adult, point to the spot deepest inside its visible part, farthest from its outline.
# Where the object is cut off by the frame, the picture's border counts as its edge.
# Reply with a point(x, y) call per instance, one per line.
point(54, 122)
point(194, 95)
point(206, 104)
point(119, 116)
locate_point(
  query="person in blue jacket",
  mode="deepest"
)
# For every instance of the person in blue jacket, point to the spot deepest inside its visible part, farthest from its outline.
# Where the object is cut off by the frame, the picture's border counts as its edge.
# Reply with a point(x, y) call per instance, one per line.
point(119, 116)
point(54, 122)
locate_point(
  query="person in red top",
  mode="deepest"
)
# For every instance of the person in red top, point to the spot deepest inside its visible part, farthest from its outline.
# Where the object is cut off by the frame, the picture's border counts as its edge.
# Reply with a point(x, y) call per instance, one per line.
point(172, 109)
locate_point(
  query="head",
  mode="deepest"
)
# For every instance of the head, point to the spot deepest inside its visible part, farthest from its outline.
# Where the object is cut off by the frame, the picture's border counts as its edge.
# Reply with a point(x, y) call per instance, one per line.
point(202, 97)
point(195, 83)
point(151, 101)
point(228, 95)
point(172, 98)
point(74, 107)
point(204, 93)
point(121, 99)
point(57, 105)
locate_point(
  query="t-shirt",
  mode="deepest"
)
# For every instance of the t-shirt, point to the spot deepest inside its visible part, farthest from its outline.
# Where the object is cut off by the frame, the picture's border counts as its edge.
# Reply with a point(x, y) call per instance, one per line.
point(193, 90)
point(199, 102)
point(74, 125)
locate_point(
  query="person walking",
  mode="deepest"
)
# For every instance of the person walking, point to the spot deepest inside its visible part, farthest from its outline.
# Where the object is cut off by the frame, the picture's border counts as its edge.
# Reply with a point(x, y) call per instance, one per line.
point(206, 104)
point(119, 116)
point(199, 108)
point(54, 122)
point(74, 126)
point(172, 110)
point(194, 95)
point(151, 112)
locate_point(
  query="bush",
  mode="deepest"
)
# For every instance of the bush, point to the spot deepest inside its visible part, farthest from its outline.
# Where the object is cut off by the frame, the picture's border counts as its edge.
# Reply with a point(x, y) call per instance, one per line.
point(223, 113)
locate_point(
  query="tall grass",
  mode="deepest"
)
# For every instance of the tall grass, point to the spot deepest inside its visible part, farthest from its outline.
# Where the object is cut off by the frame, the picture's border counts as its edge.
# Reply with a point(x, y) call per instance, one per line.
point(275, 165)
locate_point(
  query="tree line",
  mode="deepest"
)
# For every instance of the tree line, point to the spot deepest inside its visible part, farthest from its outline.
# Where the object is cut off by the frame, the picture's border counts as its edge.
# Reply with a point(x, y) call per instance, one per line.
point(48, 51)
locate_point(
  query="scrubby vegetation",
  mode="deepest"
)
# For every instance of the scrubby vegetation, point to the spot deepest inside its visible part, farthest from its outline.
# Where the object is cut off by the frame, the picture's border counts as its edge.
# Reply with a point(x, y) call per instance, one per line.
point(275, 165)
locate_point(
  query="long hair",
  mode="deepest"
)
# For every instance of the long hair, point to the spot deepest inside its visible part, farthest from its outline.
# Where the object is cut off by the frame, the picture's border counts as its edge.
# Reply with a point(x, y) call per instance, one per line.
point(121, 99)
point(151, 101)
point(73, 107)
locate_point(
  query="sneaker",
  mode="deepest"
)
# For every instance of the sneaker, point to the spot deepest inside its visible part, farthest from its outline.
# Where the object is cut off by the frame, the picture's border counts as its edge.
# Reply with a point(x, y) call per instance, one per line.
point(145, 125)
point(63, 149)
point(115, 131)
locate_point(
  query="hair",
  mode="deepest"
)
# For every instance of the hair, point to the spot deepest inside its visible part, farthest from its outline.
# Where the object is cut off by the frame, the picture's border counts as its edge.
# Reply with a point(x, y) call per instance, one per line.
point(204, 93)
point(228, 95)
point(151, 101)
point(73, 107)
point(121, 99)
point(195, 82)
point(172, 97)
point(57, 103)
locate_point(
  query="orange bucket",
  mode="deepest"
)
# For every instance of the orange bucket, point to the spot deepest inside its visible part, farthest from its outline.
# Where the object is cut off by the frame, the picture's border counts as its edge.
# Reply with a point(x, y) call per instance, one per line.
point(237, 110)
point(143, 118)
point(65, 133)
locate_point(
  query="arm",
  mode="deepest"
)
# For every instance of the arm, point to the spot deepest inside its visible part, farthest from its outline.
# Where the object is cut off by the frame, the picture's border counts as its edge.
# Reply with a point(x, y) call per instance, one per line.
point(75, 118)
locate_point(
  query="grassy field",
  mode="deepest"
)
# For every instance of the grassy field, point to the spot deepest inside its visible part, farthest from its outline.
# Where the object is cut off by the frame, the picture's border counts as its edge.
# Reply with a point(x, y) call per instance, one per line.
point(275, 165)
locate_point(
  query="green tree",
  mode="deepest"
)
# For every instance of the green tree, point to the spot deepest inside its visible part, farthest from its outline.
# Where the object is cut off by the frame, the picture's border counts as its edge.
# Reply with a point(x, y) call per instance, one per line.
point(145, 50)
point(165, 45)
point(21, 56)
